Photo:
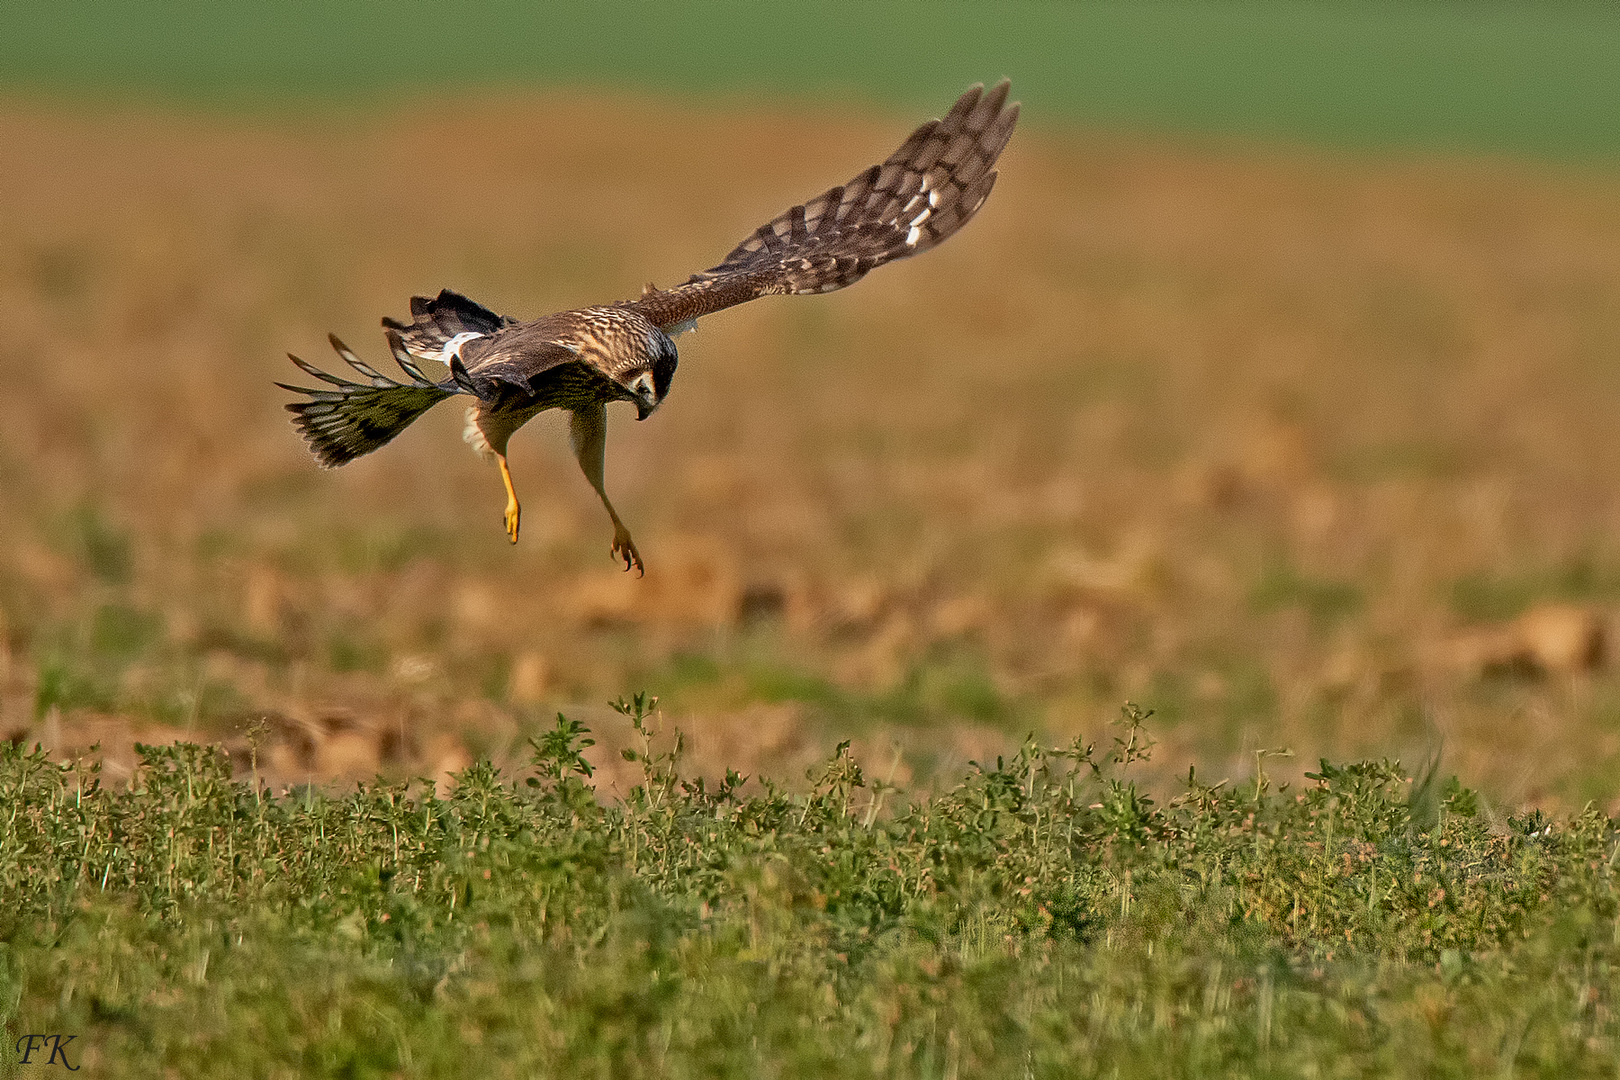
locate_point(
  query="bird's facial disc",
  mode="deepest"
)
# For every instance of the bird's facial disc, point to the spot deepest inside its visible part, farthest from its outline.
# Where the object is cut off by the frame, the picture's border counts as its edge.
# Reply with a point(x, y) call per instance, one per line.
point(646, 394)
point(650, 387)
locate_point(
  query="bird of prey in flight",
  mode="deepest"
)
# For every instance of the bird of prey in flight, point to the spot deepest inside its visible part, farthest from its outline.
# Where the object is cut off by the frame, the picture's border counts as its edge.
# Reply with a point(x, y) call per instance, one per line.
point(580, 360)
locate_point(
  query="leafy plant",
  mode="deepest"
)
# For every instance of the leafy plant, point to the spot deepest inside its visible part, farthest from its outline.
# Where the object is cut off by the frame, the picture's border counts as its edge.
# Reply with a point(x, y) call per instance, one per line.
point(1046, 916)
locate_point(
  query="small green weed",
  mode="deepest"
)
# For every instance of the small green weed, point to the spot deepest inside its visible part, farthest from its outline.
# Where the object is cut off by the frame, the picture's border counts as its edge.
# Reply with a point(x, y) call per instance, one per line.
point(1047, 916)
point(64, 682)
point(947, 684)
point(1326, 602)
point(1487, 597)
point(104, 548)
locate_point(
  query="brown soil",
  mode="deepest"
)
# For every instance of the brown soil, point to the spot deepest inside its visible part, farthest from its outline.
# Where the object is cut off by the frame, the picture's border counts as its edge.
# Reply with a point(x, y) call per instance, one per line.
point(1280, 442)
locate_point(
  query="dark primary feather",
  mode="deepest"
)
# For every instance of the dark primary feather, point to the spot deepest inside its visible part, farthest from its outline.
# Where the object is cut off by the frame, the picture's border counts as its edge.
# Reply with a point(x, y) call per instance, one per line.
point(923, 193)
point(357, 417)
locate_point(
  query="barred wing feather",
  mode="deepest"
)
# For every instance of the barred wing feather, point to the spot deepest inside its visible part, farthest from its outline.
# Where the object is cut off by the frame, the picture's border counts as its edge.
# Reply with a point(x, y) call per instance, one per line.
point(927, 189)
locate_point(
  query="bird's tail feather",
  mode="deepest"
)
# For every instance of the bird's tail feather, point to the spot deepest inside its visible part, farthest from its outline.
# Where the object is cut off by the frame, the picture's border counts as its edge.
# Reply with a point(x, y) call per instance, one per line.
point(356, 418)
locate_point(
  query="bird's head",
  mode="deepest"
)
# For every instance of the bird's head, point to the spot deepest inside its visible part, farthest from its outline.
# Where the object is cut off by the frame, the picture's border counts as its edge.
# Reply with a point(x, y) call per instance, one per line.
point(648, 382)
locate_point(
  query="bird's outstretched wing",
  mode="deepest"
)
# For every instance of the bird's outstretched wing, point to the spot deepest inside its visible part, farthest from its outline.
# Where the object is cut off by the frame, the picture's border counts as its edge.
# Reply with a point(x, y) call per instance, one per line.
point(924, 192)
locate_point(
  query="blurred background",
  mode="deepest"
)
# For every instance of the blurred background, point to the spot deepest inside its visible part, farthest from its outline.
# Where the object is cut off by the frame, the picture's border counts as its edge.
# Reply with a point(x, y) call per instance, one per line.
point(1273, 389)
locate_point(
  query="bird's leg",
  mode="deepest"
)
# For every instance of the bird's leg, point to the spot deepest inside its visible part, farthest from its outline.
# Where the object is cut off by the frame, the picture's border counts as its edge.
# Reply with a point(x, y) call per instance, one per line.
point(588, 432)
point(514, 512)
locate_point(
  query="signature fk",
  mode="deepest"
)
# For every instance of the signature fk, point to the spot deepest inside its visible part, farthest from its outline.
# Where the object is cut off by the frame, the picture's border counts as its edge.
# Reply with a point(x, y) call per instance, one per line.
point(29, 1045)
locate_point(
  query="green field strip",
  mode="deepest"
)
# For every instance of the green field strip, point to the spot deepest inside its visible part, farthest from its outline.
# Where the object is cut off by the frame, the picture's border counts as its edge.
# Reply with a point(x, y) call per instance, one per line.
point(1541, 78)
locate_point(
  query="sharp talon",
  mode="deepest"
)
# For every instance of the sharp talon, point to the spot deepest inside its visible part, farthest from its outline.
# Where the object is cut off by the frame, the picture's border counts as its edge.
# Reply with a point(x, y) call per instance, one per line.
point(624, 548)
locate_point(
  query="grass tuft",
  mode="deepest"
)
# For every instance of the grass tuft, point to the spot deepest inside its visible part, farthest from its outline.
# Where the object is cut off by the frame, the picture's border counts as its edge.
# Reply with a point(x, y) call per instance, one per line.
point(1045, 916)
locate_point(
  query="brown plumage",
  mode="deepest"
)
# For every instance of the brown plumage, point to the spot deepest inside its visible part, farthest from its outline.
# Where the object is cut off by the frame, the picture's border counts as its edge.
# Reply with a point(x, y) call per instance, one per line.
point(581, 360)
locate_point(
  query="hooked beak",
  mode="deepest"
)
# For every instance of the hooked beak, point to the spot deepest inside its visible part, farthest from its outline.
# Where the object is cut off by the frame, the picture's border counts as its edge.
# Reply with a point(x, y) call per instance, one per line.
point(644, 410)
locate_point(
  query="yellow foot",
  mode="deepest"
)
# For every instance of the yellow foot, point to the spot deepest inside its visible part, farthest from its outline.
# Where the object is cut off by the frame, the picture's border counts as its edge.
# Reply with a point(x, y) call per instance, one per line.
point(625, 548)
point(513, 512)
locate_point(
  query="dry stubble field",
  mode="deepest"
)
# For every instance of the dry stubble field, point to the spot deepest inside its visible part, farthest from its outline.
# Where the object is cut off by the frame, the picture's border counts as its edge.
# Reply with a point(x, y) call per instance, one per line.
point(1299, 448)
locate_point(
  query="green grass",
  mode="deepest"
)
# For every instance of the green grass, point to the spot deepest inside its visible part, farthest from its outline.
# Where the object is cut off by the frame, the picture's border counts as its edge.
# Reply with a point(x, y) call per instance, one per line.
point(947, 684)
point(1534, 76)
point(1327, 602)
point(1045, 917)
point(1483, 597)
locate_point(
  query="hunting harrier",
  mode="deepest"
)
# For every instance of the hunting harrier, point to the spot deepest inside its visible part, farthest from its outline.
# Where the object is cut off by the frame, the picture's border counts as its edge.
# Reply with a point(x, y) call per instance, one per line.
point(581, 360)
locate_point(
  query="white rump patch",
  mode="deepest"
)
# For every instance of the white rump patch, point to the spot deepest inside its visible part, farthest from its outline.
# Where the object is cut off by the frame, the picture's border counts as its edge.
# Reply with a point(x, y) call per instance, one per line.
point(452, 348)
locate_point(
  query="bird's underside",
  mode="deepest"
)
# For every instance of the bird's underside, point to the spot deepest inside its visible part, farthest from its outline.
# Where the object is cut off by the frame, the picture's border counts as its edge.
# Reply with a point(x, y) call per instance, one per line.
point(580, 360)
